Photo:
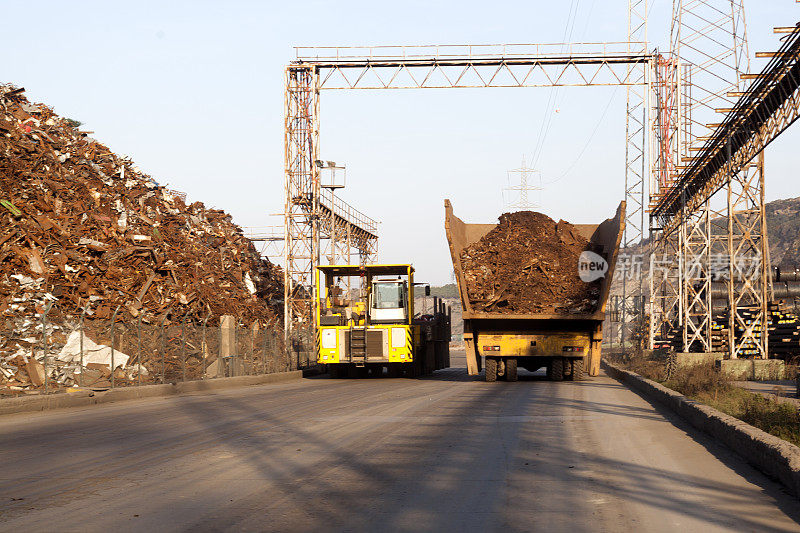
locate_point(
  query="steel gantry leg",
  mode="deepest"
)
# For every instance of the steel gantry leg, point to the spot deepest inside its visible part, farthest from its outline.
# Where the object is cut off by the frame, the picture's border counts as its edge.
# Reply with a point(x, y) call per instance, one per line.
point(637, 127)
point(696, 300)
point(301, 202)
point(748, 285)
point(666, 287)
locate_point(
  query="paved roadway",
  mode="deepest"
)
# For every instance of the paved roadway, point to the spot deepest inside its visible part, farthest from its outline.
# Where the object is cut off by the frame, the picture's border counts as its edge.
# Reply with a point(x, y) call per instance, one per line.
point(443, 453)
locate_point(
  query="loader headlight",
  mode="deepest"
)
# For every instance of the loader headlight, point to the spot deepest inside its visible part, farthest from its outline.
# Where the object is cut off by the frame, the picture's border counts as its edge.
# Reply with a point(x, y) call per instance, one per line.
point(398, 337)
point(328, 338)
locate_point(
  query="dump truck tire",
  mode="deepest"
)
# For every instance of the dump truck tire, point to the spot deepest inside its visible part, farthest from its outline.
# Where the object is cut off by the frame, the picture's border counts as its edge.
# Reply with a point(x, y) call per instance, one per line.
point(577, 370)
point(557, 369)
point(491, 369)
point(511, 369)
point(333, 371)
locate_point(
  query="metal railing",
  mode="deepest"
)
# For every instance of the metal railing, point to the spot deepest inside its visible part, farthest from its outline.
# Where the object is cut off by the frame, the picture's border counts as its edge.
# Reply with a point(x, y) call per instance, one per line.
point(465, 51)
point(347, 212)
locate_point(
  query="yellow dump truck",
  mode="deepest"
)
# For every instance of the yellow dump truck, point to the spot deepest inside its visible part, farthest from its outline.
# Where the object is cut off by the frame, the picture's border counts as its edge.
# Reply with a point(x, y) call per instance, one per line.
point(566, 344)
point(367, 323)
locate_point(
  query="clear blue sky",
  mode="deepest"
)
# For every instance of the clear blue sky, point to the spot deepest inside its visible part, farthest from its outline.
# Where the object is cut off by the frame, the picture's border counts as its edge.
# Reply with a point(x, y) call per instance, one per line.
point(193, 92)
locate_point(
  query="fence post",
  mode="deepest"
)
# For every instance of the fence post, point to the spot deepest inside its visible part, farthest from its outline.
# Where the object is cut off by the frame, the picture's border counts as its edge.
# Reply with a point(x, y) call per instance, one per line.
point(183, 347)
point(253, 333)
point(83, 314)
point(287, 354)
point(139, 351)
point(220, 360)
point(234, 372)
point(44, 346)
point(227, 343)
point(163, 349)
point(113, 367)
point(264, 352)
point(204, 346)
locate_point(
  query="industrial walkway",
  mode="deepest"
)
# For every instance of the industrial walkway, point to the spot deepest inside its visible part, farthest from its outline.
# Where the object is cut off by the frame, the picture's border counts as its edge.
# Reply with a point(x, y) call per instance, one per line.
point(443, 453)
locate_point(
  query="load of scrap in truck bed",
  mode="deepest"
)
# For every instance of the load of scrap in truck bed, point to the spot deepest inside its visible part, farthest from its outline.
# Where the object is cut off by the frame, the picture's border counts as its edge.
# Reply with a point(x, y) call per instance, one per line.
point(528, 264)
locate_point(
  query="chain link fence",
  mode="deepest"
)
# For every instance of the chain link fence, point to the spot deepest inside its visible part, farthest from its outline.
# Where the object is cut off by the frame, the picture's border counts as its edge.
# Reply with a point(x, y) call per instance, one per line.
point(56, 351)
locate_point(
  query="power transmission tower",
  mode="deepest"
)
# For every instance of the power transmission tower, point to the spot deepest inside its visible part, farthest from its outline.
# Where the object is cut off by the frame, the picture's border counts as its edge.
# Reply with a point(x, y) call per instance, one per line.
point(523, 203)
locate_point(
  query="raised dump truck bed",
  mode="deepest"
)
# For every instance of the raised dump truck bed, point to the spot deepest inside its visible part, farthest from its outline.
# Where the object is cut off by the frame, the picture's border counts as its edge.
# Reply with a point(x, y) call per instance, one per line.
point(567, 344)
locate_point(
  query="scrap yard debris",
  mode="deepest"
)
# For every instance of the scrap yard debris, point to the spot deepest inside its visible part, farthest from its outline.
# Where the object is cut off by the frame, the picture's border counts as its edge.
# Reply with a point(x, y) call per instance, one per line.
point(83, 229)
point(529, 264)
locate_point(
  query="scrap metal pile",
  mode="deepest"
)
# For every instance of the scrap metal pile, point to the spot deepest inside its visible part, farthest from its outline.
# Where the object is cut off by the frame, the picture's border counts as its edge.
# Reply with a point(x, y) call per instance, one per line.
point(84, 229)
point(528, 264)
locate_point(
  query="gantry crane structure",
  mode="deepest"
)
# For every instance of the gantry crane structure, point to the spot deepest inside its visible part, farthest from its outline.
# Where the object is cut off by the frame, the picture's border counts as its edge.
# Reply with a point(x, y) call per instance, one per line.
point(707, 198)
point(674, 149)
point(314, 70)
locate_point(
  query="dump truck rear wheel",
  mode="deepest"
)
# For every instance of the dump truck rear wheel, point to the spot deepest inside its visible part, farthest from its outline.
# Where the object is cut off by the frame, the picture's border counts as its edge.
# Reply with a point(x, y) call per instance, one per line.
point(577, 370)
point(557, 369)
point(491, 369)
point(333, 371)
point(511, 369)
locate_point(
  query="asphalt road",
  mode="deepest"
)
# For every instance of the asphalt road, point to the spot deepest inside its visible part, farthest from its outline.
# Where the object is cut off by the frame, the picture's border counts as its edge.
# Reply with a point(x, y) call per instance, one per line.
point(443, 453)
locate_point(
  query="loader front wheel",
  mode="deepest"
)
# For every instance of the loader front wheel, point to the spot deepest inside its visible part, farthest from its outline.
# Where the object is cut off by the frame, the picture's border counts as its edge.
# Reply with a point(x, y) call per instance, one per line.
point(491, 369)
point(511, 369)
point(577, 370)
point(557, 369)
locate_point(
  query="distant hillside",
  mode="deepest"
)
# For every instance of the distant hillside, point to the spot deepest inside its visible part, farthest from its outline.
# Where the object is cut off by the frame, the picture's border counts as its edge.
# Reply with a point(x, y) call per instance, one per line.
point(783, 233)
point(445, 291)
point(783, 230)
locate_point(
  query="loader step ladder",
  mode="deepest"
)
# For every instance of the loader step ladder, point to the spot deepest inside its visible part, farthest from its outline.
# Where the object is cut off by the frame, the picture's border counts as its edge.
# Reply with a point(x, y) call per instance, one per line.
point(358, 344)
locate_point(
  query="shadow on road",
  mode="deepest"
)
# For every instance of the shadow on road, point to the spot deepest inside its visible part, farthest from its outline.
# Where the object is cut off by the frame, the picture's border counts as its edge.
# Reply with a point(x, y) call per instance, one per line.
point(466, 468)
point(393, 454)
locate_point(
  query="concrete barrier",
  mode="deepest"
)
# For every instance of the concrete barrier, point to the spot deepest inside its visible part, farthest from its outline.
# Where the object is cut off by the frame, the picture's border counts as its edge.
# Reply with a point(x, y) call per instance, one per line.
point(752, 369)
point(773, 456)
point(684, 359)
point(81, 398)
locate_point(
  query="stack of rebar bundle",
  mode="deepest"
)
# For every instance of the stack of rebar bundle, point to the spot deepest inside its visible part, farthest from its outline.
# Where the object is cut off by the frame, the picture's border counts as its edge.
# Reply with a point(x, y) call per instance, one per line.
point(784, 332)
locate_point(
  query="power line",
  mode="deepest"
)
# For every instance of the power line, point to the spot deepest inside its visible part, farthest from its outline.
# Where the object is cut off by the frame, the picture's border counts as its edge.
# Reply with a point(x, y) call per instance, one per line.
point(591, 137)
point(553, 92)
point(551, 102)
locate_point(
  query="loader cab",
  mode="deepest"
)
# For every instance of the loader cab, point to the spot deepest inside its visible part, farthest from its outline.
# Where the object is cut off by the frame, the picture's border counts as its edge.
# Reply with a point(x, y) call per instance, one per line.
point(359, 296)
point(388, 302)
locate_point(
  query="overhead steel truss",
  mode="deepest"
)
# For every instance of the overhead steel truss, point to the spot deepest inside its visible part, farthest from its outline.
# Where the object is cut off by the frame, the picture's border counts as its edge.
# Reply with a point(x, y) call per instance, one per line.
point(418, 67)
point(472, 66)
